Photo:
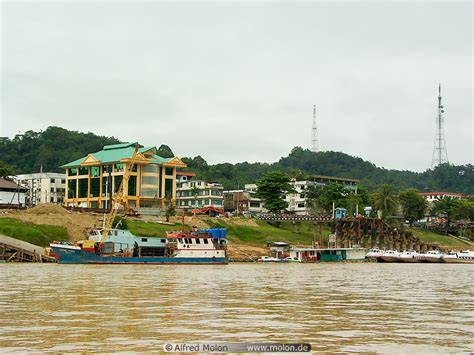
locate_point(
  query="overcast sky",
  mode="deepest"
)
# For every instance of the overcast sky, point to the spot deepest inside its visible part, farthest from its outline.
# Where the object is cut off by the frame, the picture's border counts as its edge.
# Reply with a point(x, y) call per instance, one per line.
point(236, 81)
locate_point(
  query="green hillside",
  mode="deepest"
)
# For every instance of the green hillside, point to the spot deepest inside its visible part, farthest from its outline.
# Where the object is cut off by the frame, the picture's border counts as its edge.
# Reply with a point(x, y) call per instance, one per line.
point(56, 146)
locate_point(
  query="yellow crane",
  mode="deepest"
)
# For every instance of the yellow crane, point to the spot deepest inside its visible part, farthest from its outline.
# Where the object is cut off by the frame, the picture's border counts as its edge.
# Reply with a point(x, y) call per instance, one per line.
point(119, 198)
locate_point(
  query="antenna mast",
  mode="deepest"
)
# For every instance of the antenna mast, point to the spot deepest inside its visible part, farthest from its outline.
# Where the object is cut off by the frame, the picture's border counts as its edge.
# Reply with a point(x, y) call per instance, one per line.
point(314, 140)
point(440, 153)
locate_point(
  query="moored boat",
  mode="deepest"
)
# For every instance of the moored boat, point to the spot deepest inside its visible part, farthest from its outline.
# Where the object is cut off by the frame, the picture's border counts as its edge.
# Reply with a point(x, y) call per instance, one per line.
point(122, 247)
point(410, 256)
point(433, 256)
point(374, 254)
point(464, 257)
point(270, 259)
point(390, 256)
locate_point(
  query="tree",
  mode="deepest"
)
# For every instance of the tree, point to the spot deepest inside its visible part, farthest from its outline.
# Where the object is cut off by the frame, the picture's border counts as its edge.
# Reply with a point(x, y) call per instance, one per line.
point(413, 205)
point(321, 198)
point(165, 151)
point(384, 199)
point(6, 170)
point(170, 208)
point(445, 207)
point(272, 187)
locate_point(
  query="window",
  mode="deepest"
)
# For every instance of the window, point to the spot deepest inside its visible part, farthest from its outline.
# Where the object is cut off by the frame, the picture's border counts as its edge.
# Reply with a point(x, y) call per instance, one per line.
point(168, 171)
point(132, 186)
point(72, 171)
point(198, 241)
point(83, 186)
point(71, 188)
point(52, 181)
point(205, 241)
point(63, 181)
point(95, 171)
point(117, 182)
point(95, 187)
point(52, 189)
point(83, 171)
point(163, 240)
point(106, 169)
point(118, 167)
point(145, 240)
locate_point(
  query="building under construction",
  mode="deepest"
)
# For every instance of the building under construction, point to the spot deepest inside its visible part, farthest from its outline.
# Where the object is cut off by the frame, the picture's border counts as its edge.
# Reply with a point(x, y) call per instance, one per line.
point(92, 180)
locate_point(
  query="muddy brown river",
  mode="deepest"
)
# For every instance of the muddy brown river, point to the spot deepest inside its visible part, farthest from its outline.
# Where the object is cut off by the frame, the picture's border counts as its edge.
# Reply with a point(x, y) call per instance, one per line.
point(360, 307)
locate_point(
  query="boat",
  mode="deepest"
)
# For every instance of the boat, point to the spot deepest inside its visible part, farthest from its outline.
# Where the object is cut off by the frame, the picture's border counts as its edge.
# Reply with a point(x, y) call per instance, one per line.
point(432, 256)
point(374, 254)
point(293, 259)
point(123, 247)
point(270, 259)
point(466, 256)
point(410, 256)
point(390, 256)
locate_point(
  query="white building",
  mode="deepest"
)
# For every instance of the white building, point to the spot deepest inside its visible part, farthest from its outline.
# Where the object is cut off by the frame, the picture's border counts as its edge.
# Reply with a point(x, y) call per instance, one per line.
point(437, 195)
point(199, 194)
point(43, 187)
point(12, 194)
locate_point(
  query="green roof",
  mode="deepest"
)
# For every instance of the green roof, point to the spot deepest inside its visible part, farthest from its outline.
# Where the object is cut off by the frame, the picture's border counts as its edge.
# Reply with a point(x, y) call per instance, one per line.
point(116, 152)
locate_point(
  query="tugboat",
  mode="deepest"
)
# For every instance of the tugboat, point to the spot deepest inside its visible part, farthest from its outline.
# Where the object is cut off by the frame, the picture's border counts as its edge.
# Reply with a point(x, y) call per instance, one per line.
point(115, 246)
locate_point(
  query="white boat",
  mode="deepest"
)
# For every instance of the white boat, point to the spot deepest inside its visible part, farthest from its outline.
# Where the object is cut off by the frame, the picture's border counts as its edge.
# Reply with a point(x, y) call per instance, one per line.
point(390, 256)
point(270, 259)
point(433, 256)
point(374, 254)
point(466, 256)
point(410, 256)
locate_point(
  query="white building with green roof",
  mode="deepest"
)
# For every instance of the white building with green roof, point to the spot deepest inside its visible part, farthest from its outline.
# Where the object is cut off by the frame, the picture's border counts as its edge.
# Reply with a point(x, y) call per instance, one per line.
point(90, 180)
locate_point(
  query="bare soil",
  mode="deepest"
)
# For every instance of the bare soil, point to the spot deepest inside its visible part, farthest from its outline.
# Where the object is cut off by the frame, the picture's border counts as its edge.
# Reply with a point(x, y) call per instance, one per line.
point(75, 223)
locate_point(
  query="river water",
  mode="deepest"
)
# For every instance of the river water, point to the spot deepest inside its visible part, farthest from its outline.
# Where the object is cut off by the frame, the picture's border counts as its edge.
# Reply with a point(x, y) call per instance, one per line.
point(363, 307)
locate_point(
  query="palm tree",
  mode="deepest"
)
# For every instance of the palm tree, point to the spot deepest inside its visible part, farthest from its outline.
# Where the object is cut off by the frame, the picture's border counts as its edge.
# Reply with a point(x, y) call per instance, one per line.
point(384, 199)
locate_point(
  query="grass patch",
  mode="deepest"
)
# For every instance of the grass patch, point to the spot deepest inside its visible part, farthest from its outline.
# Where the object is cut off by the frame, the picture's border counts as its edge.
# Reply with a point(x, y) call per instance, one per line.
point(38, 234)
point(443, 240)
point(265, 233)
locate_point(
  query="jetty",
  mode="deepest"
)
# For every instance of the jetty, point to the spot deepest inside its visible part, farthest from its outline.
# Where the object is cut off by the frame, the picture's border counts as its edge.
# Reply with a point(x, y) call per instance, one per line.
point(14, 250)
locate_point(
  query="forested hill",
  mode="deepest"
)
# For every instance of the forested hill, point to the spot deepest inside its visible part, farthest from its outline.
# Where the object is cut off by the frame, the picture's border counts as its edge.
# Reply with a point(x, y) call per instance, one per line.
point(302, 163)
point(50, 149)
point(56, 146)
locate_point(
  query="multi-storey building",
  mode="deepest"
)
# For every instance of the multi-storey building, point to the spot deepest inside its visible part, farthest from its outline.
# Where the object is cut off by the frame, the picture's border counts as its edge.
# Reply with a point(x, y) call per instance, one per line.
point(92, 180)
point(199, 194)
point(437, 195)
point(43, 187)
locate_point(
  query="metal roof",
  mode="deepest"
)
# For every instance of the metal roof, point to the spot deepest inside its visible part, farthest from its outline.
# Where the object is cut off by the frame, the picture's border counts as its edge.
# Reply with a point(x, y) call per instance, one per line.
point(116, 152)
point(10, 185)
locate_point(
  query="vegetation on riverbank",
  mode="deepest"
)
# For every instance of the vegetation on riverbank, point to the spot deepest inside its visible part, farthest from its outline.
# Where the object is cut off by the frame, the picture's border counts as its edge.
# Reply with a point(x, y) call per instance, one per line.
point(443, 240)
point(38, 234)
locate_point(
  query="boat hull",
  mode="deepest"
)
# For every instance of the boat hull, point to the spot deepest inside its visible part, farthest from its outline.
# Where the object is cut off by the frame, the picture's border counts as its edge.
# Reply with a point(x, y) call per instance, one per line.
point(390, 259)
point(70, 256)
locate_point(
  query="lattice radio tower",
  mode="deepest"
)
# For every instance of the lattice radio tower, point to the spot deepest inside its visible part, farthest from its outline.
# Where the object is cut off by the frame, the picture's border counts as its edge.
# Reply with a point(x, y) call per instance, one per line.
point(440, 153)
point(314, 138)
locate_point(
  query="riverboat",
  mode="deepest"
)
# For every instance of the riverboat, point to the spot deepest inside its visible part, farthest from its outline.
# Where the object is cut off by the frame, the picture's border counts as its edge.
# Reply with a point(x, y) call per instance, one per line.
point(123, 247)
point(465, 257)
point(432, 256)
point(410, 256)
point(390, 256)
point(270, 259)
point(374, 254)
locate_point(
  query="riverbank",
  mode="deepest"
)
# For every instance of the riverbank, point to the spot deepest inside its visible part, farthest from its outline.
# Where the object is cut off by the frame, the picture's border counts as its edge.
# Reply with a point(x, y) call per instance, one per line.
point(248, 238)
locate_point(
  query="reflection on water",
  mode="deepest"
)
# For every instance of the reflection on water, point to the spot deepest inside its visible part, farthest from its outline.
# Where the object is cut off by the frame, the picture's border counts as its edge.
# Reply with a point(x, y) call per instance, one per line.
point(335, 307)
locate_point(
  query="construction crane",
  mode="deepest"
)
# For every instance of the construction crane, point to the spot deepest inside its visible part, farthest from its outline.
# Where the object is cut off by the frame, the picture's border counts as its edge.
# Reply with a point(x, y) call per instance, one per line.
point(119, 198)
